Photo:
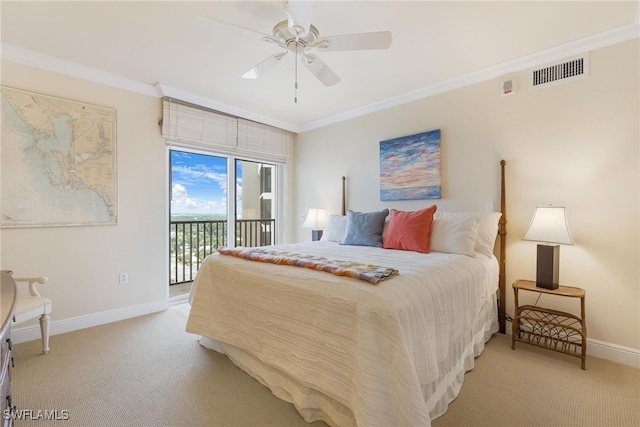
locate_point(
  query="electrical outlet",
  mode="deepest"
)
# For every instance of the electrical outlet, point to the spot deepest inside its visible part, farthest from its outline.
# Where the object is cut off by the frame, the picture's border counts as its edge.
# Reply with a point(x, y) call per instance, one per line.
point(124, 278)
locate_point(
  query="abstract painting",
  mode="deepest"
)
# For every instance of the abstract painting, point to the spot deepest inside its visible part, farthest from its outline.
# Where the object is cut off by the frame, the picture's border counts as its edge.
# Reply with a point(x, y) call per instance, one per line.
point(410, 167)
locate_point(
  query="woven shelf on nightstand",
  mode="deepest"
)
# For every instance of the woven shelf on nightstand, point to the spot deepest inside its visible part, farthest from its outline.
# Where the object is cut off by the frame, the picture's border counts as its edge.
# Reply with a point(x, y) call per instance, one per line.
point(548, 328)
point(555, 330)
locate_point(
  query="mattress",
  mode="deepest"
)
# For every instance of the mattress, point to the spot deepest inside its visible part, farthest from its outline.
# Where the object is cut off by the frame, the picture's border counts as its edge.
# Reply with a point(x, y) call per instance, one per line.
point(344, 350)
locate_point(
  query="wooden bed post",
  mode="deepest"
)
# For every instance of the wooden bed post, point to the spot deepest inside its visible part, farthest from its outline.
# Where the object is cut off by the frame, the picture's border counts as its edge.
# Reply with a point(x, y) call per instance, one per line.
point(344, 197)
point(502, 232)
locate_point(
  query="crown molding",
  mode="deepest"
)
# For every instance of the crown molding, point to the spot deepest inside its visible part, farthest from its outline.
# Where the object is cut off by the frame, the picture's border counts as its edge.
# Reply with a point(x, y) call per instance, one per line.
point(596, 41)
point(158, 90)
point(61, 66)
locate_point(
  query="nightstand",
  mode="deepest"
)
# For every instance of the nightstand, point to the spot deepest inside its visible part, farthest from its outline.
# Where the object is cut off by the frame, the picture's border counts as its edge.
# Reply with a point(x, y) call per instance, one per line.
point(547, 328)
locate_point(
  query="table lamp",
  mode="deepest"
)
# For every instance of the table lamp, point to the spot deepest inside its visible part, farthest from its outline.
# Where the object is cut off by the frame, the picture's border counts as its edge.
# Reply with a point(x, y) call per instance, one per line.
point(316, 220)
point(549, 226)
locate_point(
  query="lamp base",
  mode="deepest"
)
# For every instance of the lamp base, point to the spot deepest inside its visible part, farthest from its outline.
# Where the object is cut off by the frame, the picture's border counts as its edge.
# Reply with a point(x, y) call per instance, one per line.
point(316, 235)
point(548, 266)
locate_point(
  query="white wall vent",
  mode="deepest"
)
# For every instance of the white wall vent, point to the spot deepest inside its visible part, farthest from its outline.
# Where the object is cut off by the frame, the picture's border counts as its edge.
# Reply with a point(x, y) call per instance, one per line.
point(568, 69)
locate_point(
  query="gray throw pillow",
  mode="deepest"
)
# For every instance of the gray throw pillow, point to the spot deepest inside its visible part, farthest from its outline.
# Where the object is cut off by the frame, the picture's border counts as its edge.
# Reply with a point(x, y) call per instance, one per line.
point(364, 229)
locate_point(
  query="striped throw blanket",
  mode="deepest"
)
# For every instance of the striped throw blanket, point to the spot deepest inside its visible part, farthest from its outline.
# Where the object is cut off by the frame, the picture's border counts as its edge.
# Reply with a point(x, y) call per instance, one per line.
point(371, 273)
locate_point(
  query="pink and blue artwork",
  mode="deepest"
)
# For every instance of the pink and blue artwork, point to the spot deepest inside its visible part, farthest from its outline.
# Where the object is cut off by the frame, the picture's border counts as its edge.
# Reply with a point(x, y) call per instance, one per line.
point(410, 167)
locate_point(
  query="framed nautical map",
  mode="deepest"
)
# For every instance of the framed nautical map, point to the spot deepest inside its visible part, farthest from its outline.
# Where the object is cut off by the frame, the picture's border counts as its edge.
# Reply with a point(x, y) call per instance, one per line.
point(58, 162)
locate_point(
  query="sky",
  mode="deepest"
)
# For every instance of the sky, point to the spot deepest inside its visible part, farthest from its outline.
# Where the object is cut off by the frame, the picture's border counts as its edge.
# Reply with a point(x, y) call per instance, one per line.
point(199, 184)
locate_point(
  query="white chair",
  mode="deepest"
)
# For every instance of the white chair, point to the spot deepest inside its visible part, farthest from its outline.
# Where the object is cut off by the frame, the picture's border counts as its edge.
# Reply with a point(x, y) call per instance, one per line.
point(32, 305)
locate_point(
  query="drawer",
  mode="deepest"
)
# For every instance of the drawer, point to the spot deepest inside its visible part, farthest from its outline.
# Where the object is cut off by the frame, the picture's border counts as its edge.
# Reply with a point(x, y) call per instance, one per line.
point(5, 379)
point(7, 404)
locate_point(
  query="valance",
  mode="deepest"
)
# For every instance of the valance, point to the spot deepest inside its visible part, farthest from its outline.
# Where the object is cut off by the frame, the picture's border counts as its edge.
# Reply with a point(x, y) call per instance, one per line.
point(198, 127)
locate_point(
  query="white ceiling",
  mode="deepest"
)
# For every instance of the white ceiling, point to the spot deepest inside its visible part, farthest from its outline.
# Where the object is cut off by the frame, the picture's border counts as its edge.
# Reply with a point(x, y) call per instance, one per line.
point(157, 48)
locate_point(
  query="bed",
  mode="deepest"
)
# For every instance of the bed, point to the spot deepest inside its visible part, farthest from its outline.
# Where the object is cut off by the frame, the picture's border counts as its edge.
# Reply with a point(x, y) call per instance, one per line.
point(348, 351)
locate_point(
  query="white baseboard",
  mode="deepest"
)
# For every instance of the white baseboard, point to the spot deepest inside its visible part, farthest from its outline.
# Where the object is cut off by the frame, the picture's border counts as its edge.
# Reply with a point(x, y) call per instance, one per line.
point(613, 352)
point(30, 333)
point(603, 350)
point(180, 299)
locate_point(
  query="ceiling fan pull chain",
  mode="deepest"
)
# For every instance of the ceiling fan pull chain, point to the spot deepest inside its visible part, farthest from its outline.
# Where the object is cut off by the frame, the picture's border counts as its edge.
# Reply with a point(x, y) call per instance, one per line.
point(295, 98)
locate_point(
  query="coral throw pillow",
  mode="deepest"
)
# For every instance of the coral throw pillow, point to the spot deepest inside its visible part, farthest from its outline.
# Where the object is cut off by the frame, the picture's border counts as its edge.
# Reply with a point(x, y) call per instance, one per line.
point(409, 231)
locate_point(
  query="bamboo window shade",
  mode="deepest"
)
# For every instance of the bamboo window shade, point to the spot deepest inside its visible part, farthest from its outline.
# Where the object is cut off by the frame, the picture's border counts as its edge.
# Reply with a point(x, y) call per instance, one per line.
point(192, 126)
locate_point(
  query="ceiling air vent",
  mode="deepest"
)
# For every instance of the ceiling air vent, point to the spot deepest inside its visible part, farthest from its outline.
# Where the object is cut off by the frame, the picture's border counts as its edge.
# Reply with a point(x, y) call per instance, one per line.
point(568, 69)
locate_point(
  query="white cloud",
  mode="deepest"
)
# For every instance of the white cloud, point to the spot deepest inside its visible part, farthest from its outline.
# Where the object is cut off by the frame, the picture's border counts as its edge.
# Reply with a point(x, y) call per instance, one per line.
point(199, 173)
point(182, 203)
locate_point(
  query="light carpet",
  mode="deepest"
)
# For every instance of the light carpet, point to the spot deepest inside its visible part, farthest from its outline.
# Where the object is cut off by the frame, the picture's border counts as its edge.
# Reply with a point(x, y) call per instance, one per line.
point(147, 371)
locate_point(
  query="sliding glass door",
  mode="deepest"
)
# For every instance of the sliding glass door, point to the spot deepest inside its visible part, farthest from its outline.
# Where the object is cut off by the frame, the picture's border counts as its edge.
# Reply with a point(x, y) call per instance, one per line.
point(209, 210)
point(255, 203)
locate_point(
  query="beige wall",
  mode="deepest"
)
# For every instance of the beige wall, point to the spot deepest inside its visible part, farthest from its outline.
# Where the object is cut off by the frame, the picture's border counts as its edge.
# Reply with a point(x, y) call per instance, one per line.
point(574, 144)
point(83, 263)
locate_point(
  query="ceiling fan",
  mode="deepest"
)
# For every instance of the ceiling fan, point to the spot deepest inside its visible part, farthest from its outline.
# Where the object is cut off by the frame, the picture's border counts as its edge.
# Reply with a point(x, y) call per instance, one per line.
point(297, 37)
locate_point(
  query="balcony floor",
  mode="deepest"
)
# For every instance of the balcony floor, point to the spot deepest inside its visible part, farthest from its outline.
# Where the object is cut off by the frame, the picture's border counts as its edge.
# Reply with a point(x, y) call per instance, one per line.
point(182, 288)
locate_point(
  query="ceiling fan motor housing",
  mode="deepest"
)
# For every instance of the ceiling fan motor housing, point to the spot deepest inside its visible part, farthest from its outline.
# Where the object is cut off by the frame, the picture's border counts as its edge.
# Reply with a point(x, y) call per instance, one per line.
point(282, 33)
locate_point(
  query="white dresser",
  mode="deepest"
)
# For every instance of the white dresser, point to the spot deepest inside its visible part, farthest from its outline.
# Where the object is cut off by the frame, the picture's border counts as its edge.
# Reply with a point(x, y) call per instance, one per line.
point(7, 307)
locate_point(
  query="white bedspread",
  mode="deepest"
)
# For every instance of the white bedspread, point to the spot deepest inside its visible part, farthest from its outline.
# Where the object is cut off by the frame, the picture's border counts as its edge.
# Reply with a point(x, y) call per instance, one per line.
point(390, 352)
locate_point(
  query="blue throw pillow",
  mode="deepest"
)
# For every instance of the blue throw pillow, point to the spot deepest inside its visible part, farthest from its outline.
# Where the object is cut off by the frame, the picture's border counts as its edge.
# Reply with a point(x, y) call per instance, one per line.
point(364, 229)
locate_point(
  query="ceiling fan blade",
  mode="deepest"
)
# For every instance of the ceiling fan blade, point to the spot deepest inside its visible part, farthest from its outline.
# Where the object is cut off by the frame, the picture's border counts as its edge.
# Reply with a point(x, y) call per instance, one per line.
point(360, 41)
point(205, 22)
point(300, 13)
point(260, 69)
point(320, 70)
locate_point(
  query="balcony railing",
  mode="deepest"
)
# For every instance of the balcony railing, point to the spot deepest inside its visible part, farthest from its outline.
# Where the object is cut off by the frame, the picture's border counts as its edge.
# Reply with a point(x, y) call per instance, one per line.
point(192, 241)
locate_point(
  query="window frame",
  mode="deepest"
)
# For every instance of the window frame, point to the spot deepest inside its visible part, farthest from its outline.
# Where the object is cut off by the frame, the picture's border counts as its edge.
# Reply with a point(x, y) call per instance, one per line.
point(231, 188)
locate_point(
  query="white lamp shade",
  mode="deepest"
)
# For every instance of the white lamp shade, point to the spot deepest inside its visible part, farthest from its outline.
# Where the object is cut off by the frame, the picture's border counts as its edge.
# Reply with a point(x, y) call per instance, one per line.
point(316, 218)
point(549, 225)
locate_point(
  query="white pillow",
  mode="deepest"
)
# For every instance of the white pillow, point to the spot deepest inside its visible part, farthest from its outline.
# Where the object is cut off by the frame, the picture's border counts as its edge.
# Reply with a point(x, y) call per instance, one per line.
point(455, 232)
point(335, 229)
point(487, 232)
